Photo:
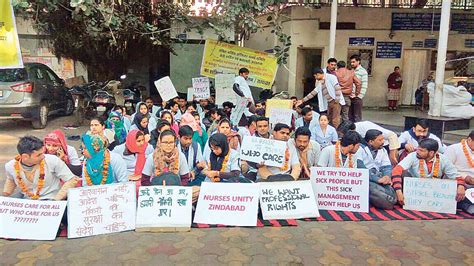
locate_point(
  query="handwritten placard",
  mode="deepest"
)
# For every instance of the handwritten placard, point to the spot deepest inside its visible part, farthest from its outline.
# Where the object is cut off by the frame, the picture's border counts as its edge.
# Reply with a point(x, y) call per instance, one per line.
point(30, 219)
point(341, 189)
point(228, 204)
point(224, 91)
point(238, 111)
point(258, 150)
point(98, 210)
point(432, 195)
point(169, 206)
point(201, 88)
point(288, 200)
point(280, 115)
point(276, 103)
point(470, 194)
point(166, 88)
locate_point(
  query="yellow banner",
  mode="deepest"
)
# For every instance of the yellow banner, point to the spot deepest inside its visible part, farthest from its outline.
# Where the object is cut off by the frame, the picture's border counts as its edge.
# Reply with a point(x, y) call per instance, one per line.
point(10, 54)
point(225, 58)
point(277, 103)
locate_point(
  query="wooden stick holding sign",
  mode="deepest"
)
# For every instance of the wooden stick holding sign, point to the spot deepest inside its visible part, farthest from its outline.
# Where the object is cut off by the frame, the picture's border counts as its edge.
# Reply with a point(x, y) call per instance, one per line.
point(270, 152)
point(166, 89)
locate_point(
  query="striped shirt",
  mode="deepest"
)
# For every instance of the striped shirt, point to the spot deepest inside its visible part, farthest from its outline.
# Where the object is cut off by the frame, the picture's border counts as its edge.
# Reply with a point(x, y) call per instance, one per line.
point(363, 76)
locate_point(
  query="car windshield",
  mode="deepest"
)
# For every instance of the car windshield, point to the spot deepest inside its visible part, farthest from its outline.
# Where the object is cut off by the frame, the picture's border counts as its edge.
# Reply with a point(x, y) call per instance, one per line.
point(12, 75)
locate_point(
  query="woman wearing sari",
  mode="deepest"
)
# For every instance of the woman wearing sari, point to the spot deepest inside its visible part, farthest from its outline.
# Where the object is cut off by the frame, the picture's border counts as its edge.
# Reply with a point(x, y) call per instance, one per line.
point(115, 122)
point(55, 144)
point(100, 165)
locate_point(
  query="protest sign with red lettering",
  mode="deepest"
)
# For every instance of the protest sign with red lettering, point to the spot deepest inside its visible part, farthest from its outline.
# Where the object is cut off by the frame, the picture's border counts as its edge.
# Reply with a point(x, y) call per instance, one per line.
point(341, 189)
point(169, 206)
point(30, 219)
point(103, 209)
point(288, 200)
point(257, 150)
point(201, 88)
point(228, 204)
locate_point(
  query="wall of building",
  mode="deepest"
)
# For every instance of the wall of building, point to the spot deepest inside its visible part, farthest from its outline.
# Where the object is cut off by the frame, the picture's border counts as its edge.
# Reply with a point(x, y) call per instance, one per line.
point(370, 22)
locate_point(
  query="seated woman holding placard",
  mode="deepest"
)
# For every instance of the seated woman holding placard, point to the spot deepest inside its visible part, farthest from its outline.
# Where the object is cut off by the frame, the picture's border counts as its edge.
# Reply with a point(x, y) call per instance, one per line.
point(222, 164)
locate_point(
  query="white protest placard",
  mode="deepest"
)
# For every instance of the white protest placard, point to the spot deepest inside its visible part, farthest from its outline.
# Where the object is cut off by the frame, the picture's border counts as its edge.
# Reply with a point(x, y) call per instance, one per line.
point(30, 219)
point(189, 96)
point(169, 206)
point(224, 91)
point(103, 209)
point(287, 200)
point(201, 88)
point(228, 204)
point(470, 194)
point(280, 115)
point(341, 189)
point(238, 111)
point(257, 150)
point(166, 88)
point(431, 195)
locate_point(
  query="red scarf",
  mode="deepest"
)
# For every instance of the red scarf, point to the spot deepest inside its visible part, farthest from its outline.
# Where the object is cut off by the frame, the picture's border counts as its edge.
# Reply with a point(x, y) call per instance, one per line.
point(131, 144)
point(57, 137)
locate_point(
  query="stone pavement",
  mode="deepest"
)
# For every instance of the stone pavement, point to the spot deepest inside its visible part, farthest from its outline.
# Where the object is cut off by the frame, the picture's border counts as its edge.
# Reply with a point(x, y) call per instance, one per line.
point(441, 242)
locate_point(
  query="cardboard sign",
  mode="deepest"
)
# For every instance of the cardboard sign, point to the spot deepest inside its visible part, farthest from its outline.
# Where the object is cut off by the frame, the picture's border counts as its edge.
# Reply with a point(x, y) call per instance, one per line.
point(257, 150)
point(280, 115)
point(431, 195)
point(341, 189)
point(201, 88)
point(190, 95)
point(166, 88)
point(288, 200)
point(470, 194)
point(98, 210)
point(228, 204)
point(30, 219)
point(238, 111)
point(224, 91)
point(276, 103)
point(169, 206)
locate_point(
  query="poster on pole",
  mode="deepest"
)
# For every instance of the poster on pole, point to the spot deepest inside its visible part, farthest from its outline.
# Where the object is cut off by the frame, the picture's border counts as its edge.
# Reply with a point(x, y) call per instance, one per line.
point(30, 219)
point(277, 103)
point(233, 204)
point(341, 189)
point(431, 195)
point(103, 209)
point(10, 52)
point(221, 57)
point(164, 206)
point(238, 111)
point(280, 115)
point(224, 91)
point(288, 200)
point(201, 88)
point(270, 152)
point(166, 88)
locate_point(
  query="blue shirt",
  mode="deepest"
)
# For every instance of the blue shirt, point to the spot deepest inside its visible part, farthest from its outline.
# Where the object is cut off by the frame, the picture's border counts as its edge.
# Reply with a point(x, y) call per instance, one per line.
point(324, 139)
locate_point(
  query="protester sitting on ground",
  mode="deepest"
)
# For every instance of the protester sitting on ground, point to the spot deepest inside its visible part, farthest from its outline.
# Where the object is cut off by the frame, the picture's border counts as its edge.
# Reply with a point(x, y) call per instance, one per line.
point(343, 153)
point(409, 139)
point(323, 133)
point(375, 158)
point(251, 127)
point(306, 149)
point(115, 123)
point(173, 107)
point(134, 152)
point(193, 153)
point(167, 163)
point(38, 175)
point(260, 107)
point(55, 144)
point(140, 122)
point(308, 118)
point(97, 127)
point(263, 127)
point(100, 165)
point(143, 109)
point(227, 108)
point(191, 107)
point(152, 108)
point(214, 116)
point(126, 119)
point(182, 105)
point(462, 156)
point(426, 162)
point(291, 168)
point(233, 138)
point(222, 163)
point(168, 116)
point(199, 135)
point(161, 126)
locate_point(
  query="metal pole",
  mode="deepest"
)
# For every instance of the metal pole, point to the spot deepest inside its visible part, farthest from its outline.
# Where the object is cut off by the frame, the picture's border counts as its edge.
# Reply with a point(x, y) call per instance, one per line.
point(441, 60)
point(332, 30)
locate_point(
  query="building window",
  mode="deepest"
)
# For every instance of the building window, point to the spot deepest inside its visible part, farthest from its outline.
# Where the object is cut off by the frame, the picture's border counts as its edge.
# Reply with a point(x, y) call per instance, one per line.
point(366, 58)
point(462, 63)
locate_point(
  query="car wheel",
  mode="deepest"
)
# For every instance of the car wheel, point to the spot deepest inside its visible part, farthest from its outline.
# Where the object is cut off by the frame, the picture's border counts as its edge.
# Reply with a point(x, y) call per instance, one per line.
point(42, 119)
point(69, 107)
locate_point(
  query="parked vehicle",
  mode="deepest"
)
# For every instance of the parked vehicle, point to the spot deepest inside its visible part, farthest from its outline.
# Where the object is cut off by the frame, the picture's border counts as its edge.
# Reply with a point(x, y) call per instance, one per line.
point(82, 96)
point(132, 96)
point(104, 99)
point(33, 93)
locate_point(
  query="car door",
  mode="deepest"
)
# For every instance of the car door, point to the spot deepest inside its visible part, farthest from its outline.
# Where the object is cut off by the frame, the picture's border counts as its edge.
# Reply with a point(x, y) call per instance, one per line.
point(59, 91)
point(38, 76)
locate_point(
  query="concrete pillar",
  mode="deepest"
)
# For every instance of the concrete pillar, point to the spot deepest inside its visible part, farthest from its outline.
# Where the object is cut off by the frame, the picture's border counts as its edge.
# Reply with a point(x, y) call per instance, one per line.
point(441, 60)
point(332, 30)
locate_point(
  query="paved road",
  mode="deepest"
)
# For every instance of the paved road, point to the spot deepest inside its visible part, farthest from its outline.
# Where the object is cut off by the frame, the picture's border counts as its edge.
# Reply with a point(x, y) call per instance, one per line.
point(448, 242)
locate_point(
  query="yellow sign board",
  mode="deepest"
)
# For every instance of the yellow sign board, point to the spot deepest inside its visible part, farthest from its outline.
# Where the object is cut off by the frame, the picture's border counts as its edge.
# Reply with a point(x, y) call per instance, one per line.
point(225, 58)
point(276, 103)
point(10, 54)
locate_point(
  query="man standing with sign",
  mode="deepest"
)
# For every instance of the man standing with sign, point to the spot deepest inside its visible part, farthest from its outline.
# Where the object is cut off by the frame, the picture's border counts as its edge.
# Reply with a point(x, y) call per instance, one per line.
point(291, 168)
point(426, 162)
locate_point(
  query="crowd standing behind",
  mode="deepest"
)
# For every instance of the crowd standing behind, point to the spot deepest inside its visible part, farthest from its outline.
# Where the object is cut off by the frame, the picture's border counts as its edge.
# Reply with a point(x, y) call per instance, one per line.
point(186, 144)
